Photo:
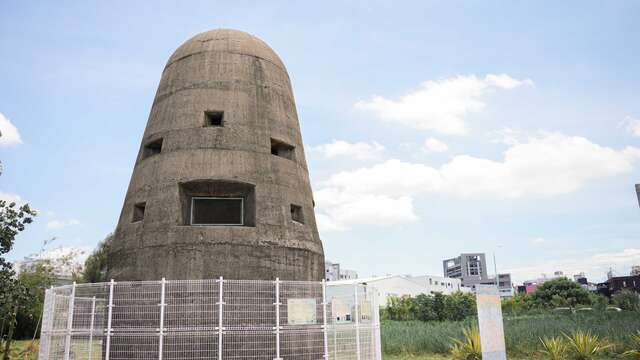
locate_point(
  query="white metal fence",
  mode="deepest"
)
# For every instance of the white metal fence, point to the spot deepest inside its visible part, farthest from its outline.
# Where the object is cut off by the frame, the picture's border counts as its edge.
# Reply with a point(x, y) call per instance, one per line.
point(210, 319)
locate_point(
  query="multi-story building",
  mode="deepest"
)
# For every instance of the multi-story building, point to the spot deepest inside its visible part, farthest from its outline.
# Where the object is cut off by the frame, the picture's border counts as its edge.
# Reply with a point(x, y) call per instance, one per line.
point(333, 272)
point(617, 283)
point(471, 269)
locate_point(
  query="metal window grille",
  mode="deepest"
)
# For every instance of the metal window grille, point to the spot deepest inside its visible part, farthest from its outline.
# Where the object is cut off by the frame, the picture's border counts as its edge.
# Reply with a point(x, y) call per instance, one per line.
point(210, 319)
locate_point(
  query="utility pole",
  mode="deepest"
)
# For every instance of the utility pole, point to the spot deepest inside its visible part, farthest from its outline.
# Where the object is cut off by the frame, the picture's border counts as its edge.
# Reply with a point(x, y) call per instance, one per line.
point(495, 267)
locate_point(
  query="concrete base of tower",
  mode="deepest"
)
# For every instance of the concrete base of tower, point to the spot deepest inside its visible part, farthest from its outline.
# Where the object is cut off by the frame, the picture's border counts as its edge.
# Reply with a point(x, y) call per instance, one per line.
point(192, 261)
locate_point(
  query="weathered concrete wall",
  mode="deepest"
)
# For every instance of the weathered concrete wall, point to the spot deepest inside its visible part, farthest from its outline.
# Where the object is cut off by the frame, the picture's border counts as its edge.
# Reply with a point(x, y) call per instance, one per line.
point(234, 72)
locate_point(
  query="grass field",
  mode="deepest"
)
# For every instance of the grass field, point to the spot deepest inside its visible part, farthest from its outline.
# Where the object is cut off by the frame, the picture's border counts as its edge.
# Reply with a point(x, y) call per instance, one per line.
point(415, 340)
point(521, 333)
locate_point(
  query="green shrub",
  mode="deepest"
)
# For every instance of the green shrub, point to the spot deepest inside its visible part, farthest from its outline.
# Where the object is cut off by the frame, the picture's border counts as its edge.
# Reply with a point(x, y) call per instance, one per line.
point(583, 345)
point(634, 352)
point(436, 307)
point(469, 347)
point(559, 293)
point(554, 348)
point(626, 300)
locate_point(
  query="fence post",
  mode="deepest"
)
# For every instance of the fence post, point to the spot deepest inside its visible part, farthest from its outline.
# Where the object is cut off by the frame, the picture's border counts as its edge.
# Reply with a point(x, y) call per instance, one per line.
point(357, 314)
point(53, 318)
point(277, 304)
point(93, 313)
point(324, 319)
point(376, 324)
point(162, 304)
point(220, 303)
point(67, 343)
point(110, 315)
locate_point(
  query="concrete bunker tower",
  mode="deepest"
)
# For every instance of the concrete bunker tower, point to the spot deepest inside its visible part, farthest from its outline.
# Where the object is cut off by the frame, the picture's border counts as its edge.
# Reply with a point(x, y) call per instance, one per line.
point(220, 186)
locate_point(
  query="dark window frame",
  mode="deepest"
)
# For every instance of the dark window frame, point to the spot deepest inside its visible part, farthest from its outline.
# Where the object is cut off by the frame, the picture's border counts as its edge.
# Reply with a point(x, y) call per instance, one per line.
point(139, 210)
point(152, 148)
point(297, 213)
point(242, 210)
point(214, 118)
point(283, 149)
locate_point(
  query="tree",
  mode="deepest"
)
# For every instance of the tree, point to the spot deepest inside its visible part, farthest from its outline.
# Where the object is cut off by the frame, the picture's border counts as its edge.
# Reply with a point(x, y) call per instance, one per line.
point(95, 267)
point(36, 281)
point(626, 300)
point(400, 308)
point(517, 304)
point(13, 294)
point(424, 308)
point(458, 306)
point(560, 292)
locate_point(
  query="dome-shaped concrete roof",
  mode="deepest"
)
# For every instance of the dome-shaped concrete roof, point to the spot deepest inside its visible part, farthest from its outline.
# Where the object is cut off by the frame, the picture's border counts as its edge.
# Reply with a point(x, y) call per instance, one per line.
point(227, 40)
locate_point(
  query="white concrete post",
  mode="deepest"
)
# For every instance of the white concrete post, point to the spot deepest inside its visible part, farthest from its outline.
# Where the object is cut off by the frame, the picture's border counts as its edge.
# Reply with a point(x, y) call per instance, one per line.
point(110, 315)
point(67, 343)
point(324, 318)
point(357, 314)
point(490, 323)
point(220, 303)
point(277, 304)
point(93, 314)
point(162, 305)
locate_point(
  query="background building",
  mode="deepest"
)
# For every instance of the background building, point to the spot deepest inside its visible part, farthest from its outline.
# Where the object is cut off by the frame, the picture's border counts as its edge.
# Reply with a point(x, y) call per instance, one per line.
point(618, 283)
point(333, 272)
point(404, 285)
point(471, 269)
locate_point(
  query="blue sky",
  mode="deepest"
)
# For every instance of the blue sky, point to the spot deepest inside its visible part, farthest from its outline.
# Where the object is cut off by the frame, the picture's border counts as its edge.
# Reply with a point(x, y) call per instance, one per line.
point(431, 128)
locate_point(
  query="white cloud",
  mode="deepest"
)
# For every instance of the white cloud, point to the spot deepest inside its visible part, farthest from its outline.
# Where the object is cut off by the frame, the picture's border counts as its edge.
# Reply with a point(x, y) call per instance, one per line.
point(358, 150)
point(9, 198)
point(435, 145)
point(595, 266)
point(547, 164)
point(9, 135)
point(440, 105)
point(343, 209)
point(632, 125)
point(61, 224)
point(538, 241)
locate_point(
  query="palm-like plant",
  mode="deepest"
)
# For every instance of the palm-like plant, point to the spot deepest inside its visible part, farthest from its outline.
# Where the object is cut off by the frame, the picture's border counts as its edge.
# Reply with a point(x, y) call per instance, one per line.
point(555, 348)
point(635, 352)
point(584, 345)
point(469, 347)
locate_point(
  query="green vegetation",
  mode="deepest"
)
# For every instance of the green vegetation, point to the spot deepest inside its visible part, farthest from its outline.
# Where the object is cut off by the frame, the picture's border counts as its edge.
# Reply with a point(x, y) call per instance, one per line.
point(552, 294)
point(14, 296)
point(634, 351)
point(438, 307)
point(522, 333)
point(626, 300)
point(554, 348)
point(95, 267)
point(469, 347)
point(584, 345)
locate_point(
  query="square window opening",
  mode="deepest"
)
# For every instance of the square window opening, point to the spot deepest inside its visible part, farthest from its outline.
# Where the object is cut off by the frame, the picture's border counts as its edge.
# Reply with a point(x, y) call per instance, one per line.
point(297, 214)
point(138, 211)
point(152, 148)
point(282, 149)
point(213, 118)
point(217, 211)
